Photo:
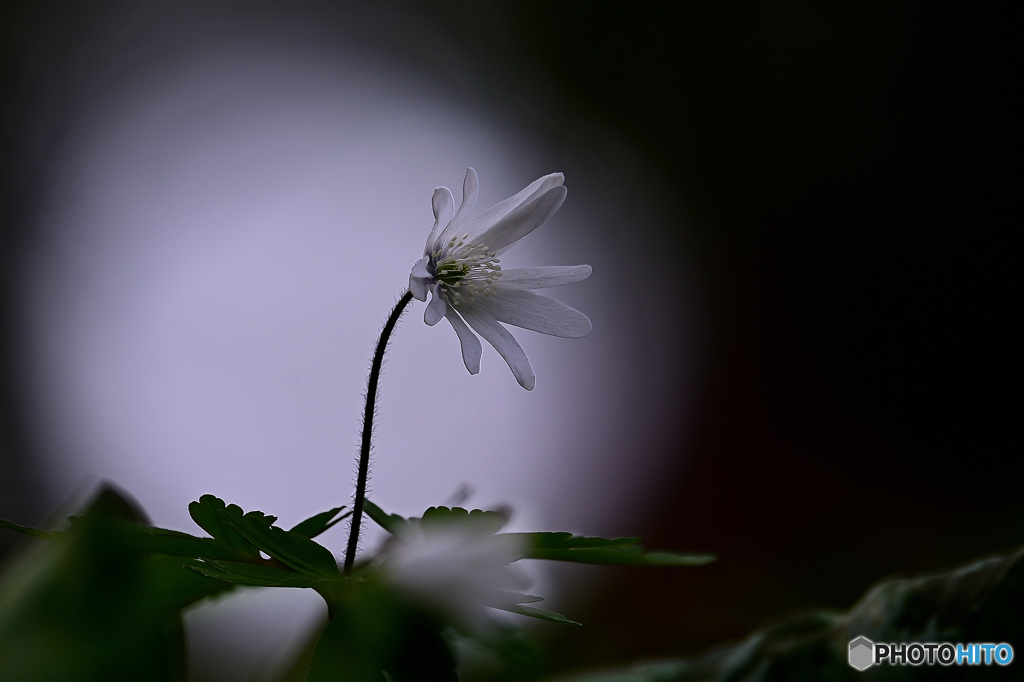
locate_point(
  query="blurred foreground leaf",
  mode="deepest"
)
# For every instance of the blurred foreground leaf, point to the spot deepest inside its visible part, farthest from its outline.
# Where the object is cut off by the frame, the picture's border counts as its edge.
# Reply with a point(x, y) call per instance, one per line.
point(152, 540)
point(340, 655)
point(24, 530)
point(542, 614)
point(101, 604)
point(608, 552)
point(251, 574)
point(372, 629)
point(980, 602)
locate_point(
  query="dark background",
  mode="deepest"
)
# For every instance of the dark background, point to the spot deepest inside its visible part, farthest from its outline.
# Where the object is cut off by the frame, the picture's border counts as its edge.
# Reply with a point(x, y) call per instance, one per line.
point(847, 173)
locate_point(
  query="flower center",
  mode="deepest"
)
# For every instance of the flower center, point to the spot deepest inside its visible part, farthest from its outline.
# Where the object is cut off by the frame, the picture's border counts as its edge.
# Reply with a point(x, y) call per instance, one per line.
point(464, 270)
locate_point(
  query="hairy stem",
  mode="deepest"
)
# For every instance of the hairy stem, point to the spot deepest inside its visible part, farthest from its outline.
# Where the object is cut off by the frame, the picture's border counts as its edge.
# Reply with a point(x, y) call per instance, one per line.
point(364, 448)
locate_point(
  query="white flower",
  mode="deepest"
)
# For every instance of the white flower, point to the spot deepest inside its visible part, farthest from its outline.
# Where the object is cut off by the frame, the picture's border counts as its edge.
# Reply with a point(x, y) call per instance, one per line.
point(460, 268)
point(458, 572)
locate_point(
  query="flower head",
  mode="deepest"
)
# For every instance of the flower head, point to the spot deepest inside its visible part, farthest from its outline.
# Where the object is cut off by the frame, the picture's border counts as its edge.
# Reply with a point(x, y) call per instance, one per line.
point(461, 270)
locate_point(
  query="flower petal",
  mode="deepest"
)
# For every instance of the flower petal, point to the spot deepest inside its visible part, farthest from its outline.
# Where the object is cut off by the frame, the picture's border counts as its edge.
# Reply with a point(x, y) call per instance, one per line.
point(419, 268)
point(435, 309)
point(443, 205)
point(543, 277)
point(418, 287)
point(470, 189)
point(503, 341)
point(495, 213)
point(533, 311)
point(521, 221)
point(471, 349)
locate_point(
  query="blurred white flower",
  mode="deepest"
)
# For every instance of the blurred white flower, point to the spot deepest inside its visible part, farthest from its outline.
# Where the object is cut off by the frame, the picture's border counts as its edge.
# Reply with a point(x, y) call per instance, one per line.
point(458, 572)
point(460, 268)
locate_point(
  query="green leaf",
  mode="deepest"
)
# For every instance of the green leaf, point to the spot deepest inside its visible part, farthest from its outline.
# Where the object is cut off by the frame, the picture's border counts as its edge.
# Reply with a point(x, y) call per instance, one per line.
point(542, 614)
point(245, 573)
point(603, 551)
point(291, 549)
point(392, 523)
point(152, 540)
point(207, 515)
point(28, 531)
point(315, 525)
point(340, 655)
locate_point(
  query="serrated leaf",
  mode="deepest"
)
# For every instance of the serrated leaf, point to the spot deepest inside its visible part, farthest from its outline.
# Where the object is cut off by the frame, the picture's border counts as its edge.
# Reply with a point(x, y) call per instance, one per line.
point(532, 612)
point(315, 525)
point(602, 551)
point(245, 573)
point(42, 534)
point(291, 549)
point(392, 523)
point(207, 515)
point(442, 519)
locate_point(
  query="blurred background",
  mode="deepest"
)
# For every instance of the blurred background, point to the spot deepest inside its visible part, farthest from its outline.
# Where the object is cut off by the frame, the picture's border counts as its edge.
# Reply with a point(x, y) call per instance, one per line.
point(800, 300)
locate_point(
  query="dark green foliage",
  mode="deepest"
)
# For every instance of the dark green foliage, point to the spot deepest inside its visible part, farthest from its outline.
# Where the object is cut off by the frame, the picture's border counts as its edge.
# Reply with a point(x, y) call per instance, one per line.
point(373, 630)
point(980, 602)
point(340, 656)
point(152, 540)
point(103, 601)
point(105, 597)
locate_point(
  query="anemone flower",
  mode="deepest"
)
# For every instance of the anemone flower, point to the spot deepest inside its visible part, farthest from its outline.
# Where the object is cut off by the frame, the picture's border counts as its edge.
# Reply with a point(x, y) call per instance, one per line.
point(460, 269)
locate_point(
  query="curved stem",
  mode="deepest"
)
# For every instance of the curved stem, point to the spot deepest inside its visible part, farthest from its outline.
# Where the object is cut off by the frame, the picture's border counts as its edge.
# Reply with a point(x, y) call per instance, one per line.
point(364, 448)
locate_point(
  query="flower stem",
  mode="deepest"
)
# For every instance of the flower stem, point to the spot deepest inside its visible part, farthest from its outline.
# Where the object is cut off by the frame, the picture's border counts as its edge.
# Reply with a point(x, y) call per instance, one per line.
point(364, 449)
